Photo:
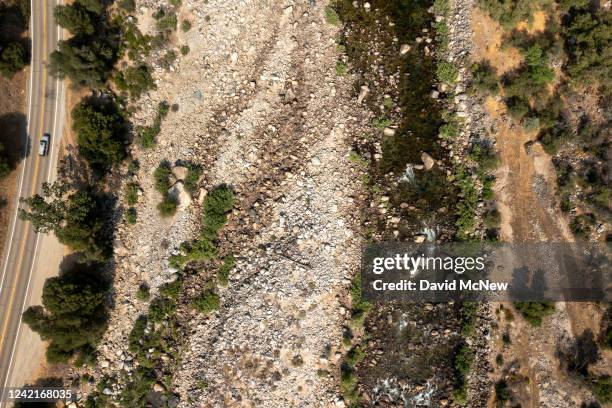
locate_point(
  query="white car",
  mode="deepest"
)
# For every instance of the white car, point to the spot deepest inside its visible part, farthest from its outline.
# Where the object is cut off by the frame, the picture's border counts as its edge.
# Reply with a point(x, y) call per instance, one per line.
point(43, 148)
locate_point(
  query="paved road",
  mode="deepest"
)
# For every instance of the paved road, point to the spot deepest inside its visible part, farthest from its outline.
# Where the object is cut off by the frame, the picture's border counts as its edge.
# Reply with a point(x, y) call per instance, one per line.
point(22, 252)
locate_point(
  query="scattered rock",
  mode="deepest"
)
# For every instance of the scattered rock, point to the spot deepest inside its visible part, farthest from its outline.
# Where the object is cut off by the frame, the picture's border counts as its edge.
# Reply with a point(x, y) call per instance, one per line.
point(363, 93)
point(180, 172)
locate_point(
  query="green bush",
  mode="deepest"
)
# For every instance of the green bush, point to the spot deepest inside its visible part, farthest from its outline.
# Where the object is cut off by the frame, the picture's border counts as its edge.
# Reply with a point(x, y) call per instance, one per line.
point(534, 312)
point(147, 135)
point(484, 78)
point(161, 308)
point(194, 172)
point(166, 22)
point(127, 5)
point(73, 315)
point(217, 204)
point(503, 394)
point(207, 302)
point(161, 176)
point(602, 389)
point(143, 292)
point(167, 208)
point(168, 58)
point(131, 215)
point(185, 49)
point(331, 16)
point(186, 25)
point(225, 269)
point(341, 68)
point(509, 13)
point(172, 290)
point(131, 193)
point(447, 72)
point(136, 80)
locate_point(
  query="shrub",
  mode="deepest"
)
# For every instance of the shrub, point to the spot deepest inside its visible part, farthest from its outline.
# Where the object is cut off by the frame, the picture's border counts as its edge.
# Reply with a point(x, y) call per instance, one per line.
point(131, 193)
point(147, 135)
point(484, 78)
point(331, 16)
point(207, 302)
point(503, 394)
point(171, 290)
point(184, 49)
point(218, 202)
point(127, 5)
point(579, 354)
point(167, 208)
point(162, 175)
point(136, 80)
point(602, 389)
point(341, 68)
point(194, 173)
point(131, 215)
point(447, 72)
point(225, 269)
point(509, 13)
point(166, 22)
point(143, 292)
point(161, 308)
point(168, 58)
point(534, 312)
point(186, 25)
point(355, 355)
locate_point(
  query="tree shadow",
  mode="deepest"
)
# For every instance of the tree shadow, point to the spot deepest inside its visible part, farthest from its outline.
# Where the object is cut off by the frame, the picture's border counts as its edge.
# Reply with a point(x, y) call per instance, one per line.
point(14, 137)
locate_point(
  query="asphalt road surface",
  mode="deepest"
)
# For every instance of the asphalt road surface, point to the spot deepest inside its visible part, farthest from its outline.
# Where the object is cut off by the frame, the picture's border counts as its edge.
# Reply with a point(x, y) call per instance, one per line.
point(22, 251)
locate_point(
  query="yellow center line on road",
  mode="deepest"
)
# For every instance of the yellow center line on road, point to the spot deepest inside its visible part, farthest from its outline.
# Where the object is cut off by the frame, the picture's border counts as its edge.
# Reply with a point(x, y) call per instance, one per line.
point(34, 176)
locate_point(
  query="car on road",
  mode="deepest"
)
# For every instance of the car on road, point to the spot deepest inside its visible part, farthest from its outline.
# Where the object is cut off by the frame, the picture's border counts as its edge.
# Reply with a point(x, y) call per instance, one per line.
point(43, 148)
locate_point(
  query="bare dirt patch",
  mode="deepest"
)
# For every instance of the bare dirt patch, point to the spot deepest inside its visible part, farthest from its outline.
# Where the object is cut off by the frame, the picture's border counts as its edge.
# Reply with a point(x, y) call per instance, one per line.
point(487, 44)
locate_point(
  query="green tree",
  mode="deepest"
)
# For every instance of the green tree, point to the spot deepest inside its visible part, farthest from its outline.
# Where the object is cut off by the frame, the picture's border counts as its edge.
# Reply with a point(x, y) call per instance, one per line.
point(77, 219)
point(73, 315)
point(86, 63)
point(588, 38)
point(94, 6)
point(100, 130)
point(74, 18)
point(12, 59)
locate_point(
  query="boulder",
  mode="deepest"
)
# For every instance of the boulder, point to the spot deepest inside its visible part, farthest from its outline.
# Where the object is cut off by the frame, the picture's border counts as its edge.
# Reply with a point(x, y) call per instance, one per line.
point(427, 160)
point(405, 49)
point(178, 191)
point(388, 131)
point(363, 93)
point(180, 172)
point(159, 387)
